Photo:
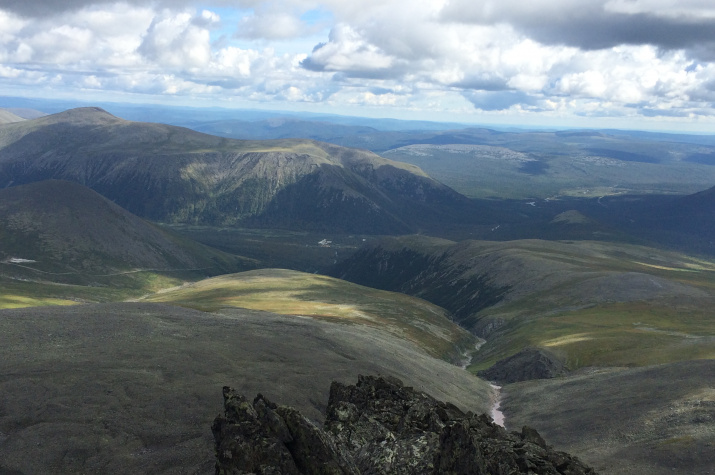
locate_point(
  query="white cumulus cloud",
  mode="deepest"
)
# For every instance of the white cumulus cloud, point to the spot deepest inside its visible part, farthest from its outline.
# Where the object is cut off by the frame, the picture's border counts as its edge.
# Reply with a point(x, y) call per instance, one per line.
point(580, 57)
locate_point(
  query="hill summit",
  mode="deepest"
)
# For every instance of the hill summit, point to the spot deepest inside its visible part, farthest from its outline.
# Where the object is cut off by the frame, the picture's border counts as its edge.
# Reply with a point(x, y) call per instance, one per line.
point(59, 228)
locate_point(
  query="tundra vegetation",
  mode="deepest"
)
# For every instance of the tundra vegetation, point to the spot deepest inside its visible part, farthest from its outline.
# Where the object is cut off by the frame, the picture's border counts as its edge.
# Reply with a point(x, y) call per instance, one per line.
point(145, 266)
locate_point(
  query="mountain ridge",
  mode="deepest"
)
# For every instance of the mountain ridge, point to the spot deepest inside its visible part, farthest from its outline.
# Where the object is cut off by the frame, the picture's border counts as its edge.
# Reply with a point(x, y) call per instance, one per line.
point(7, 117)
point(177, 175)
point(590, 303)
point(66, 229)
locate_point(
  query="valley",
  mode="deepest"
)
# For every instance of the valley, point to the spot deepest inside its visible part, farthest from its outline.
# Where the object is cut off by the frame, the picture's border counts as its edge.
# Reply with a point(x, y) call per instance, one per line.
point(144, 266)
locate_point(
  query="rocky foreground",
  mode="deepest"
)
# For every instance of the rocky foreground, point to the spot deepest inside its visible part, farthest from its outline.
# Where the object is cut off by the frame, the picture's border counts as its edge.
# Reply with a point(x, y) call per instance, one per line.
point(377, 426)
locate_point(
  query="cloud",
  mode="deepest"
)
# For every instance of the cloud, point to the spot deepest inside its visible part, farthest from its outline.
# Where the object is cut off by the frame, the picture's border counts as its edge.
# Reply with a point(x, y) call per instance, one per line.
point(85, 40)
point(273, 22)
point(501, 100)
point(178, 41)
point(569, 57)
point(273, 25)
point(50, 8)
point(140, 50)
point(596, 24)
point(348, 52)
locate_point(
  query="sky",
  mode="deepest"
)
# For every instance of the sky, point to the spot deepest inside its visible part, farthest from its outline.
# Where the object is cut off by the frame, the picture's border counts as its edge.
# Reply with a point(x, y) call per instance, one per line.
point(646, 64)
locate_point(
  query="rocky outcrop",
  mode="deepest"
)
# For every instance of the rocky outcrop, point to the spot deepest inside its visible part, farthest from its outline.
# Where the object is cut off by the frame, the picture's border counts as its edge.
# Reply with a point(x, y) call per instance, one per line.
point(377, 426)
point(528, 364)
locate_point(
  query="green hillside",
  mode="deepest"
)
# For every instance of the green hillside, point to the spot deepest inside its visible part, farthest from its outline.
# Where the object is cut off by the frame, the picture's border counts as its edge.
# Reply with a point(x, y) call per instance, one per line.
point(127, 388)
point(175, 175)
point(591, 303)
point(308, 295)
point(60, 240)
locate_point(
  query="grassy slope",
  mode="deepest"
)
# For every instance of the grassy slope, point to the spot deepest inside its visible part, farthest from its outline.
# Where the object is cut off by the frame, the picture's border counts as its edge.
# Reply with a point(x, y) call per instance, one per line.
point(654, 420)
point(618, 334)
point(609, 305)
point(61, 242)
point(296, 293)
point(593, 303)
point(32, 292)
point(7, 117)
point(132, 388)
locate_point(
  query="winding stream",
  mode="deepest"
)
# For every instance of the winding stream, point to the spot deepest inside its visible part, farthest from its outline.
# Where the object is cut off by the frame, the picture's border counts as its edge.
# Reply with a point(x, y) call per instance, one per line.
point(495, 412)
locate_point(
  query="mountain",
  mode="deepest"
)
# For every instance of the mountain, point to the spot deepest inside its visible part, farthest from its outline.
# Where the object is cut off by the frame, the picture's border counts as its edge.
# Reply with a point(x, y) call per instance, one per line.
point(7, 117)
point(62, 231)
point(26, 113)
point(590, 303)
point(177, 175)
point(696, 213)
point(686, 223)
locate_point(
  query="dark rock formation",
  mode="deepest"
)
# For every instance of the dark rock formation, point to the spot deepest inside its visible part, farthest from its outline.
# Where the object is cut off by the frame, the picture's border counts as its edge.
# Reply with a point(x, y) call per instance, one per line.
point(377, 427)
point(487, 326)
point(528, 364)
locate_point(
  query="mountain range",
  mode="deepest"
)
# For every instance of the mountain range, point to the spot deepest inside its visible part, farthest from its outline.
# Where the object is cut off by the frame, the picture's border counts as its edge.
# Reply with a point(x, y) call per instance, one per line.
point(177, 175)
point(602, 339)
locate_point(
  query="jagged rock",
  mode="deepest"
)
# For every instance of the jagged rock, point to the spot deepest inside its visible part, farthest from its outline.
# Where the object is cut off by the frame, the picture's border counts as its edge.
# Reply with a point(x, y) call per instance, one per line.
point(264, 438)
point(528, 364)
point(377, 426)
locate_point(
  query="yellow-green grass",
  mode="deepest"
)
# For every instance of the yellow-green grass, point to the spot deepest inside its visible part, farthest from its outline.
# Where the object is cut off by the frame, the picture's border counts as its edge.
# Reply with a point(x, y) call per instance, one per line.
point(316, 296)
point(581, 264)
point(618, 334)
point(19, 294)
point(21, 301)
point(596, 255)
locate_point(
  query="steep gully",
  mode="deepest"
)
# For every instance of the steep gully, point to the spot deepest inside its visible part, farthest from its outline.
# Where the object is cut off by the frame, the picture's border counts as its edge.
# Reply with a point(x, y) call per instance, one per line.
point(495, 412)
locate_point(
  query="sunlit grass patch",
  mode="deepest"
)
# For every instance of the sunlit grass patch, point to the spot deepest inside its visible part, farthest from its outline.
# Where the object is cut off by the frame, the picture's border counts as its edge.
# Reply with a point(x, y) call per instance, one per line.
point(20, 294)
point(682, 440)
point(22, 301)
point(567, 340)
point(618, 334)
point(631, 334)
point(316, 296)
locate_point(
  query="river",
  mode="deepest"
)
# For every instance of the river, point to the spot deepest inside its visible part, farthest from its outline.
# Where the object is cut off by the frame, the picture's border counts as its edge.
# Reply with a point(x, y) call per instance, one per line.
point(495, 412)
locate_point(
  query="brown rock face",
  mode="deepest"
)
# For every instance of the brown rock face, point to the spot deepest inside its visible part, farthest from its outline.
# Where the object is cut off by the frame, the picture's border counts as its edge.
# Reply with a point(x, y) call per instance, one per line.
point(377, 426)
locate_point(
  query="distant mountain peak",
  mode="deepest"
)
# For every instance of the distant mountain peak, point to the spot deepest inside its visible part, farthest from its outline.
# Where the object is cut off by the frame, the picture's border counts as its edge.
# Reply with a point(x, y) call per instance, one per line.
point(82, 115)
point(8, 117)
